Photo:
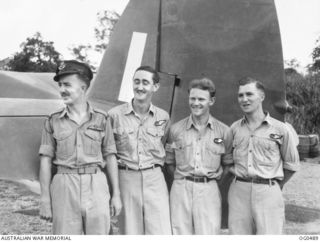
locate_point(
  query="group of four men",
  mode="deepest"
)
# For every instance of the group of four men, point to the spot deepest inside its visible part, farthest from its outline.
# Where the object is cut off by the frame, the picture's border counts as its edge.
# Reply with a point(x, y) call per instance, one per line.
point(135, 143)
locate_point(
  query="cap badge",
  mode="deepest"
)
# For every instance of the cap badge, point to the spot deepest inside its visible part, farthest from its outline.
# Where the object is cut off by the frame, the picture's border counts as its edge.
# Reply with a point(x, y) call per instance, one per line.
point(62, 66)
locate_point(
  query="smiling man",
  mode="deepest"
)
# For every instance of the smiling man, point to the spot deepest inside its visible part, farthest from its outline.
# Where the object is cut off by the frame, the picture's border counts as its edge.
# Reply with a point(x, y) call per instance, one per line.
point(265, 157)
point(78, 140)
point(140, 131)
point(197, 148)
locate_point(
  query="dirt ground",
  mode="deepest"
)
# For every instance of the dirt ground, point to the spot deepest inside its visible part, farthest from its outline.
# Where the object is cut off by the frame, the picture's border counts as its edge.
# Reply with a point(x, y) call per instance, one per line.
point(19, 207)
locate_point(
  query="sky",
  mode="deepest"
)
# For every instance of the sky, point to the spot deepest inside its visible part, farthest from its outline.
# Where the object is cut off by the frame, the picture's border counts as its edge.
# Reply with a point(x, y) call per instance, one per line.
point(71, 22)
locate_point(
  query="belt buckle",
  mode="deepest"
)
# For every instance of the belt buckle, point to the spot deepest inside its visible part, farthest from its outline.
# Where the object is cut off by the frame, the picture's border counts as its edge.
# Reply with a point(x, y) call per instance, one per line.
point(197, 179)
point(81, 170)
point(272, 182)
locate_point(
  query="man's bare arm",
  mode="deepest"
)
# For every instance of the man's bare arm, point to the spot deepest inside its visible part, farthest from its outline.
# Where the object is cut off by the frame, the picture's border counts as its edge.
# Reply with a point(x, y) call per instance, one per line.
point(287, 176)
point(45, 180)
point(112, 172)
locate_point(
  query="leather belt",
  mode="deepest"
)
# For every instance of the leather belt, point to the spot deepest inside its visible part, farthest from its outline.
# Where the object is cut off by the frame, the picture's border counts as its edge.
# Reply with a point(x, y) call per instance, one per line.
point(202, 179)
point(257, 180)
point(79, 170)
point(124, 167)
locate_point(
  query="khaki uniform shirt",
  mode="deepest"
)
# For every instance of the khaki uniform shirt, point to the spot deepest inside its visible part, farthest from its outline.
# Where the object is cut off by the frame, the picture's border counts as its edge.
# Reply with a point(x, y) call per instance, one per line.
point(265, 151)
point(199, 154)
point(294, 133)
point(140, 142)
point(74, 146)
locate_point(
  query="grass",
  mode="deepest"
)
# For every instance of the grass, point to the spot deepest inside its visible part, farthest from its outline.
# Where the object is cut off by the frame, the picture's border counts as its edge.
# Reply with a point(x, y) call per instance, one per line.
point(19, 208)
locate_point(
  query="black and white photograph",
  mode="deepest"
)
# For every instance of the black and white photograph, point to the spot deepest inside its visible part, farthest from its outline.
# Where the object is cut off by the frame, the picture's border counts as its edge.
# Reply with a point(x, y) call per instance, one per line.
point(159, 117)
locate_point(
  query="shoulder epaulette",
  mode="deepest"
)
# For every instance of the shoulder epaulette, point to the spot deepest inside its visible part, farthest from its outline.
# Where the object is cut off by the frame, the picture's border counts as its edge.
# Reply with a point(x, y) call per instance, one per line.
point(100, 111)
point(56, 112)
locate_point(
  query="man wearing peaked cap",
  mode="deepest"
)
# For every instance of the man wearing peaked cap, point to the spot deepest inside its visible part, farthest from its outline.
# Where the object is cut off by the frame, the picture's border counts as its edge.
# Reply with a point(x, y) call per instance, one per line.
point(73, 67)
point(78, 140)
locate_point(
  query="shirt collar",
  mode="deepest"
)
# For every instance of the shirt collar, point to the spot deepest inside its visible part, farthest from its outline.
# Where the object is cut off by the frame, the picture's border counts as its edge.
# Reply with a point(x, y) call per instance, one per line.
point(266, 120)
point(129, 109)
point(65, 111)
point(210, 122)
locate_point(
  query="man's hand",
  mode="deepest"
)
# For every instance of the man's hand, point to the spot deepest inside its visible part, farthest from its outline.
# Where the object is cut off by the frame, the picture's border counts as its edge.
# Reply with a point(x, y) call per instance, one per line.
point(115, 205)
point(45, 210)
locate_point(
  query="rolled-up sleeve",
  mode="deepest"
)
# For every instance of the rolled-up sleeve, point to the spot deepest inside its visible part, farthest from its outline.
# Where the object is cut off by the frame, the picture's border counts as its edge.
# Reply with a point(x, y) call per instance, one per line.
point(170, 156)
point(48, 143)
point(289, 152)
point(108, 143)
point(228, 140)
point(166, 132)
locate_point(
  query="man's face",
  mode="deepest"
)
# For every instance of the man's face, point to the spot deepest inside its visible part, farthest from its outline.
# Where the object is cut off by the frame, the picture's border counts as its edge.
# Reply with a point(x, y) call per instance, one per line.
point(250, 98)
point(143, 86)
point(200, 102)
point(71, 88)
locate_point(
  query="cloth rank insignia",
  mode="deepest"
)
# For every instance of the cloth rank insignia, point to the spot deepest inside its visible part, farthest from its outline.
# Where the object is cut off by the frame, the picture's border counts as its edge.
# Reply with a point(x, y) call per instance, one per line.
point(218, 140)
point(275, 136)
point(160, 122)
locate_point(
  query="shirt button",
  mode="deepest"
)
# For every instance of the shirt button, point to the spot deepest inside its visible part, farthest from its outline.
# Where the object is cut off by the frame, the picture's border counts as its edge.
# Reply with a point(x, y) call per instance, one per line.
point(139, 152)
point(251, 135)
point(249, 165)
point(250, 151)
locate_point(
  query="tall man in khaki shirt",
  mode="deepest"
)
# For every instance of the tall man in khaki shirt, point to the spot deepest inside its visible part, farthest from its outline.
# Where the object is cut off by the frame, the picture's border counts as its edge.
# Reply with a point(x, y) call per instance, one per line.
point(197, 148)
point(265, 157)
point(140, 131)
point(78, 139)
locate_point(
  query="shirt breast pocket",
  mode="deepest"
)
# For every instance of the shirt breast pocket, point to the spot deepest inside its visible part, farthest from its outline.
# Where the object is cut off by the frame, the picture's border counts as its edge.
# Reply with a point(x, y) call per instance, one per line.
point(92, 142)
point(122, 137)
point(183, 152)
point(154, 137)
point(212, 156)
point(240, 148)
point(269, 150)
point(65, 144)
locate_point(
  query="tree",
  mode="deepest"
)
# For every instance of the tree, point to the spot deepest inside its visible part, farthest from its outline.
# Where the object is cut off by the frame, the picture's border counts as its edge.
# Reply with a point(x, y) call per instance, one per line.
point(302, 93)
point(291, 66)
point(81, 52)
point(36, 55)
point(102, 32)
point(315, 66)
point(106, 22)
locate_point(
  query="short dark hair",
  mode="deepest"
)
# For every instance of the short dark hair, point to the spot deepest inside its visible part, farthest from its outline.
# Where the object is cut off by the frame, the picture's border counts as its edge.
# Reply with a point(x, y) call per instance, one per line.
point(248, 80)
point(203, 84)
point(155, 76)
